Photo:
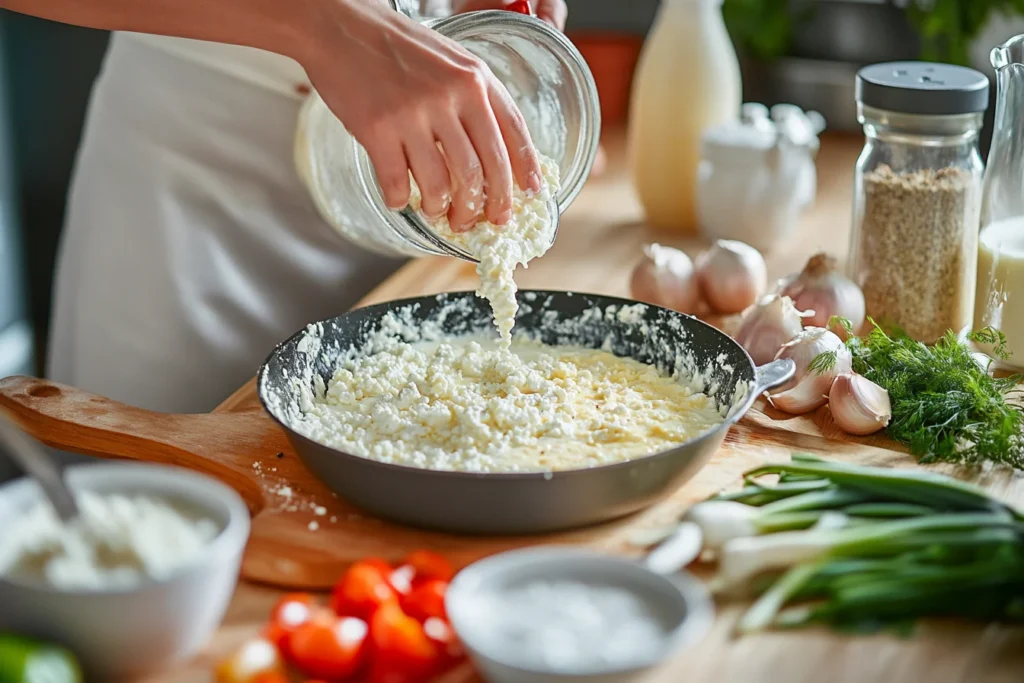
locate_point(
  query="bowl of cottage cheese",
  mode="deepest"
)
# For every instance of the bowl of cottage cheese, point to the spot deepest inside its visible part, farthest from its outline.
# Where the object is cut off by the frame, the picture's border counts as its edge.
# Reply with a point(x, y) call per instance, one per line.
point(139, 580)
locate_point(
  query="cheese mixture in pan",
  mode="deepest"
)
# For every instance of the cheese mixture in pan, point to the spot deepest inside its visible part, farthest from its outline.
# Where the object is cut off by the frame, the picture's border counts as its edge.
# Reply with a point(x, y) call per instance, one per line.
point(472, 405)
point(480, 404)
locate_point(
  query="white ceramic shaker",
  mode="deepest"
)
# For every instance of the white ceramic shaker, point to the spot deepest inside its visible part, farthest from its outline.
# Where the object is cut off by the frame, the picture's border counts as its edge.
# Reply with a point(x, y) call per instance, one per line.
point(757, 175)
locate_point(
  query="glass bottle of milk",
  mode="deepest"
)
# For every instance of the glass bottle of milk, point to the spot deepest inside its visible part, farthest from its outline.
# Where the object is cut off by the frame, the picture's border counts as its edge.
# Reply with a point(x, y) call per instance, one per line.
point(688, 79)
point(999, 302)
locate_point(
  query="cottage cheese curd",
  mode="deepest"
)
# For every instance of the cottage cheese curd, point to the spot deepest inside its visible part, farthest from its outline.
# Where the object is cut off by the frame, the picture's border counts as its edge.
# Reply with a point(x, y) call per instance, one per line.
point(470, 404)
point(500, 249)
point(117, 541)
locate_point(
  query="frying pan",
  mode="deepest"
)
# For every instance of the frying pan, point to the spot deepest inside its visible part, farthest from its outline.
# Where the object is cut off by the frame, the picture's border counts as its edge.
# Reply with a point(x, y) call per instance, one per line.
point(519, 503)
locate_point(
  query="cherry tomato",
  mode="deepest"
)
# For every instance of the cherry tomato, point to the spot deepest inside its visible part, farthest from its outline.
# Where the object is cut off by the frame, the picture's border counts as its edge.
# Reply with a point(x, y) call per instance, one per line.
point(256, 657)
point(329, 647)
point(361, 590)
point(430, 565)
point(425, 600)
point(521, 6)
point(442, 634)
point(274, 677)
point(401, 646)
point(290, 612)
point(401, 579)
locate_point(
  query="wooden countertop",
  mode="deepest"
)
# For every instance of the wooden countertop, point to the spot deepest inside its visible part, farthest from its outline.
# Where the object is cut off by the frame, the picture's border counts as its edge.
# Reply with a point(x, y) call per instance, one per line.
point(598, 244)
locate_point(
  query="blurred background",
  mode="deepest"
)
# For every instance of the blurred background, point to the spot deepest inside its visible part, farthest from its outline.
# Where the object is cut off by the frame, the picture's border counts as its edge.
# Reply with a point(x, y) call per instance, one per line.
point(801, 51)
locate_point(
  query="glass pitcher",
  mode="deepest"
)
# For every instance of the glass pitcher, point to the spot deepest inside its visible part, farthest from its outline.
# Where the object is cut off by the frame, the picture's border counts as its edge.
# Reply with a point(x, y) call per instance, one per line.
point(999, 301)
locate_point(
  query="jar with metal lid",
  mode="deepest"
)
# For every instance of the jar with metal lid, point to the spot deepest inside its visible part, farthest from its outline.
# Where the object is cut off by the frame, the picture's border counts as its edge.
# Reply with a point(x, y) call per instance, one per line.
point(917, 188)
point(543, 72)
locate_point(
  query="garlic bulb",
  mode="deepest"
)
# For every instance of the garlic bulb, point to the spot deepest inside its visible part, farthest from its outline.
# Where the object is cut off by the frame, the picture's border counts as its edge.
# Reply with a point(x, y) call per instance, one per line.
point(821, 288)
point(769, 325)
point(732, 276)
point(815, 371)
point(858, 405)
point(665, 277)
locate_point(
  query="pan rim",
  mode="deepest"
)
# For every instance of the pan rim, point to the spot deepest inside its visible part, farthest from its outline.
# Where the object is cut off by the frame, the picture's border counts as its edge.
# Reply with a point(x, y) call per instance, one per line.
point(548, 476)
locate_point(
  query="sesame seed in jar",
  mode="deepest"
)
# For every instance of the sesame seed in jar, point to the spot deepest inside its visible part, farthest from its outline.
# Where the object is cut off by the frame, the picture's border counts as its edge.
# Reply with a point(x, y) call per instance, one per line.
point(917, 252)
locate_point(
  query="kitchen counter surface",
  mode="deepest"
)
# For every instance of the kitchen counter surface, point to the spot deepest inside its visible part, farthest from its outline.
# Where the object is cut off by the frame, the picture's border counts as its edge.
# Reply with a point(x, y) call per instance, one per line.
point(597, 247)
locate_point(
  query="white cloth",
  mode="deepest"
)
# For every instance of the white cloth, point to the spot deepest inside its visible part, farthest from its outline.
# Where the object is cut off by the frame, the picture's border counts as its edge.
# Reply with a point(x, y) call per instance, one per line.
point(190, 247)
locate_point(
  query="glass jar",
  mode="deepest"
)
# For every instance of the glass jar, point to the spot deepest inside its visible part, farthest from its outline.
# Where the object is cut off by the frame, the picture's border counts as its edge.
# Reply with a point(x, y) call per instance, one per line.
point(544, 73)
point(913, 248)
point(1000, 292)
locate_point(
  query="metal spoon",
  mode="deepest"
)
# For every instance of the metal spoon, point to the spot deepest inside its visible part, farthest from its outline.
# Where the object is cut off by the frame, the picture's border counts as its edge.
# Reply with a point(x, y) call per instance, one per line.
point(27, 452)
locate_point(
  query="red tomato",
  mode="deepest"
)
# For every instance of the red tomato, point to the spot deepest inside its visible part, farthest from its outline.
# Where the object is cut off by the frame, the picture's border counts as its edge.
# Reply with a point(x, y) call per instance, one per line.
point(401, 646)
point(430, 565)
point(290, 612)
point(442, 634)
point(329, 647)
point(521, 6)
point(425, 600)
point(361, 590)
point(401, 579)
point(271, 678)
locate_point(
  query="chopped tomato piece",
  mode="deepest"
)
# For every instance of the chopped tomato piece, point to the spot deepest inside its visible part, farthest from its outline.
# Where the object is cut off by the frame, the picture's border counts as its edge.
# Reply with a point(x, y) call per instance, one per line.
point(256, 657)
point(425, 600)
point(290, 612)
point(401, 579)
point(361, 590)
point(400, 644)
point(383, 671)
point(273, 677)
point(430, 565)
point(443, 635)
point(329, 647)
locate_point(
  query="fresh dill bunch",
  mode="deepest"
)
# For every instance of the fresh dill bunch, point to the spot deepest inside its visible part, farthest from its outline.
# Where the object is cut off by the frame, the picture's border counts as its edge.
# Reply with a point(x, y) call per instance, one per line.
point(944, 405)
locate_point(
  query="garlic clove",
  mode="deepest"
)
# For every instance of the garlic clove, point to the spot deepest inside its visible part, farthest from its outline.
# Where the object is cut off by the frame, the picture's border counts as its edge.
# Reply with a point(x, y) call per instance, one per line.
point(810, 386)
point(665, 277)
point(821, 287)
point(858, 405)
point(800, 399)
point(731, 276)
point(767, 326)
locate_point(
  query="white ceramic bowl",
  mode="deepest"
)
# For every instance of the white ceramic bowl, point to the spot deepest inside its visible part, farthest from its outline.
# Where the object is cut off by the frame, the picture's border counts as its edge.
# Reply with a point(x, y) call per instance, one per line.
point(679, 601)
point(119, 634)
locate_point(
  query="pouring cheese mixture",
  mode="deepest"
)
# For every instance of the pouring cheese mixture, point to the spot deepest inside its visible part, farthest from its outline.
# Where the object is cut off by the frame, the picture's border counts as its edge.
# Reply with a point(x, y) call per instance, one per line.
point(499, 249)
point(479, 404)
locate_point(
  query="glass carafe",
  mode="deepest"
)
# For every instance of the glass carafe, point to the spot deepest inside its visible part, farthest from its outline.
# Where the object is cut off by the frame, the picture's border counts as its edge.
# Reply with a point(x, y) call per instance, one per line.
point(999, 302)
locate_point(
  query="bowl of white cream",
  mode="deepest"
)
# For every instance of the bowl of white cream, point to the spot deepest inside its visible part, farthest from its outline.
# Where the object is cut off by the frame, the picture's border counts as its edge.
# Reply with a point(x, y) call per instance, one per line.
point(138, 581)
point(550, 614)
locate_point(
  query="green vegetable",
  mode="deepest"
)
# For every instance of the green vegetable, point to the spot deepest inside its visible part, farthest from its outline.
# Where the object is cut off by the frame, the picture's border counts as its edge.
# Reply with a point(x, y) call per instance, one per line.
point(23, 660)
point(900, 545)
point(944, 405)
point(764, 28)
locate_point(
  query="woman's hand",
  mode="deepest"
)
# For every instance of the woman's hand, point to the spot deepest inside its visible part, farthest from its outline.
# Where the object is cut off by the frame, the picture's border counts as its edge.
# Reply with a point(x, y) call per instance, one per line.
point(400, 89)
point(552, 11)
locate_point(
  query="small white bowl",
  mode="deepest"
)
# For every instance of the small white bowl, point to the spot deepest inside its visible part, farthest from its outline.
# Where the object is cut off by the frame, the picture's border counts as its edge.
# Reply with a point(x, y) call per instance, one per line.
point(679, 601)
point(118, 634)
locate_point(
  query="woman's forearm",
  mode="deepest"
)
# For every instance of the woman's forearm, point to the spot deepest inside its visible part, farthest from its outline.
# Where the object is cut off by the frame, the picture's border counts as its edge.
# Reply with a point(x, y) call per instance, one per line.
point(275, 25)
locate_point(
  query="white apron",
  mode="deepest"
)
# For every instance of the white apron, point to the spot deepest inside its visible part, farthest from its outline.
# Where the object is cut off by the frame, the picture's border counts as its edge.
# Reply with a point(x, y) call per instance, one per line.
point(190, 248)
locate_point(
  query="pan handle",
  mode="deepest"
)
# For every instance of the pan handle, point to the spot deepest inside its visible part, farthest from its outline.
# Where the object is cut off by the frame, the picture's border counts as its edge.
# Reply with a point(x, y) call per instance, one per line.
point(73, 420)
point(773, 374)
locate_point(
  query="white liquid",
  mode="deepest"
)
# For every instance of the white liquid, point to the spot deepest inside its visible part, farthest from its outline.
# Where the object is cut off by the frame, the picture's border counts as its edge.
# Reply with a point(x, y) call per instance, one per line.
point(999, 301)
point(688, 79)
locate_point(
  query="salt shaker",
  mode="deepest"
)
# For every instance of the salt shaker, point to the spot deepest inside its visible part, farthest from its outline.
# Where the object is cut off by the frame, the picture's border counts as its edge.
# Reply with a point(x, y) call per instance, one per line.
point(757, 174)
